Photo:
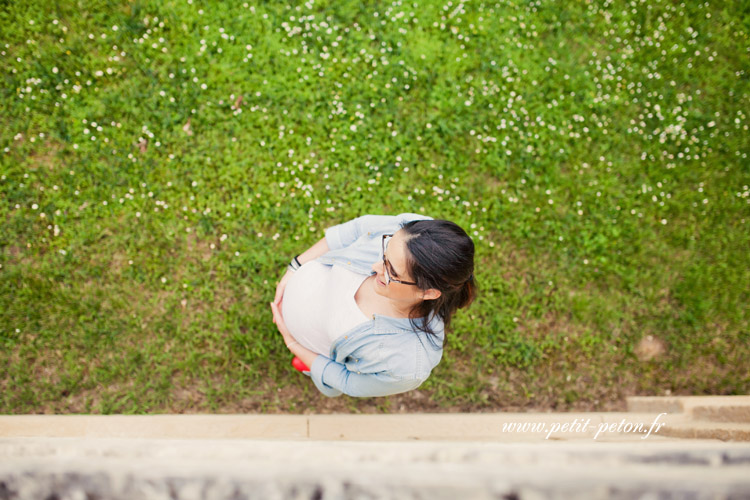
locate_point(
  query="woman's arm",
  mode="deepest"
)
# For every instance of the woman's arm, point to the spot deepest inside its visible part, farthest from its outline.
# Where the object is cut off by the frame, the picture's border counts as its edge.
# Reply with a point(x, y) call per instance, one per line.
point(312, 253)
point(333, 379)
point(315, 251)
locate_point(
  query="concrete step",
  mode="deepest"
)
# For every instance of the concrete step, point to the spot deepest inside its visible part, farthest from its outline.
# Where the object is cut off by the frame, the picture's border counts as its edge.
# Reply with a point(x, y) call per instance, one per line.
point(500, 427)
point(436, 456)
point(729, 409)
point(707, 430)
point(282, 469)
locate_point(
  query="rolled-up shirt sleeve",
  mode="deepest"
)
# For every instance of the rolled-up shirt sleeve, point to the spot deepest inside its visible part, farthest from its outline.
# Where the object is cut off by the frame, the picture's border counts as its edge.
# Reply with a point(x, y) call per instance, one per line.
point(333, 379)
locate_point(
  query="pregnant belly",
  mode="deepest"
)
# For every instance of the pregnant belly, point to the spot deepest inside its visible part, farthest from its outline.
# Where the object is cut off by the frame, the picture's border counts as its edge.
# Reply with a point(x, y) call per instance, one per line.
point(304, 306)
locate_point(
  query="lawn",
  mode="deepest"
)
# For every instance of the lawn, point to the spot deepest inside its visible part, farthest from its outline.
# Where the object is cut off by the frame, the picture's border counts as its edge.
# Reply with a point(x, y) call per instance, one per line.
point(161, 162)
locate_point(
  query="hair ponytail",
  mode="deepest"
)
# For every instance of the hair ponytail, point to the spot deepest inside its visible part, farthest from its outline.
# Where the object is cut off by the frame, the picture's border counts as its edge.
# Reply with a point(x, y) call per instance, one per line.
point(468, 293)
point(441, 256)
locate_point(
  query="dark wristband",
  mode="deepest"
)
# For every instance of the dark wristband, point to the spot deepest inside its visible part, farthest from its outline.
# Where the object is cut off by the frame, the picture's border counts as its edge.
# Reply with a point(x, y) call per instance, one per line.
point(295, 263)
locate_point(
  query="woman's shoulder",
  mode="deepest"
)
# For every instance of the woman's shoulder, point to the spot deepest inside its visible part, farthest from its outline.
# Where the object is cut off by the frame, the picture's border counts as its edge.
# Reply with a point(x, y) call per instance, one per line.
point(388, 222)
point(366, 228)
point(403, 218)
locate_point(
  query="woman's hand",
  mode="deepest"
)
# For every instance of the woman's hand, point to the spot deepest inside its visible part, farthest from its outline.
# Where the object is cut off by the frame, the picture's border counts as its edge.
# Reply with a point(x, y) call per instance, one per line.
point(312, 253)
point(304, 354)
point(279, 320)
point(281, 287)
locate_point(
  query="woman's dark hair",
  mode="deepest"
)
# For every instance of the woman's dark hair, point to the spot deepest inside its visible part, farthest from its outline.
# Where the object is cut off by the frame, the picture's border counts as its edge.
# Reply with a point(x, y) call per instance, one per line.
point(441, 256)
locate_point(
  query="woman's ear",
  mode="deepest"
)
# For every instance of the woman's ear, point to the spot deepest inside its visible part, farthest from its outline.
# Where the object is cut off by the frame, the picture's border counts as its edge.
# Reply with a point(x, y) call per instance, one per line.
point(431, 294)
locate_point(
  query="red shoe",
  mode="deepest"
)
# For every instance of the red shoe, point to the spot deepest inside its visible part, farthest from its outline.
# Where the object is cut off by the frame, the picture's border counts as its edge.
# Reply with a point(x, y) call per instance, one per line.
point(299, 365)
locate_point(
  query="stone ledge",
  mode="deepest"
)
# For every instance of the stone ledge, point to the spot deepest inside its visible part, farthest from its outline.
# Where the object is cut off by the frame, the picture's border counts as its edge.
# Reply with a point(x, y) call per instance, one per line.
point(708, 430)
point(730, 409)
point(408, 427)
point(202, 469)
point(698, 417)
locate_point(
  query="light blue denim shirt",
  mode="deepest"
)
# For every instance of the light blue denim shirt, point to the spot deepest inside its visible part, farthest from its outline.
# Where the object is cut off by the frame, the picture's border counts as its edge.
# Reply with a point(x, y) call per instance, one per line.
point(384, 355)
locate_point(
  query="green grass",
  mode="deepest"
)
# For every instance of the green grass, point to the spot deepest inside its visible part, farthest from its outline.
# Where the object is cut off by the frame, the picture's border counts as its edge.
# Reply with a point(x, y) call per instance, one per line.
point(156, 178)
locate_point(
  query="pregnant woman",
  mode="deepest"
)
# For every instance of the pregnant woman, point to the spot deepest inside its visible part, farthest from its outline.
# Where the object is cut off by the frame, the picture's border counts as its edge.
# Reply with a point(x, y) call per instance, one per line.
point(366, 307)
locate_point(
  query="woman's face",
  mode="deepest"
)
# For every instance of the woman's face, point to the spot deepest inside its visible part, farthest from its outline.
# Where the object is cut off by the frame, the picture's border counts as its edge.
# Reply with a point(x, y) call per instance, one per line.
point(396, 256)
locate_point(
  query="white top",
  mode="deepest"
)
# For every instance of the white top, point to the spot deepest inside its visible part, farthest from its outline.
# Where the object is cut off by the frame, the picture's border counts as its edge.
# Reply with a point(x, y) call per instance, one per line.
point(318, 305)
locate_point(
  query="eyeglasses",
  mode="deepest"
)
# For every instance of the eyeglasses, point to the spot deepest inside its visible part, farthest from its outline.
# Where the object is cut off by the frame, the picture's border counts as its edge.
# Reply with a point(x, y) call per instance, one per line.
point(386, 264)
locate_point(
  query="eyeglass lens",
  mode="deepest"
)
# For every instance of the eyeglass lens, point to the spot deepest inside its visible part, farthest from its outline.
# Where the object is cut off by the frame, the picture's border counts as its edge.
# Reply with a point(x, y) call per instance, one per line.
point(385, 266)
